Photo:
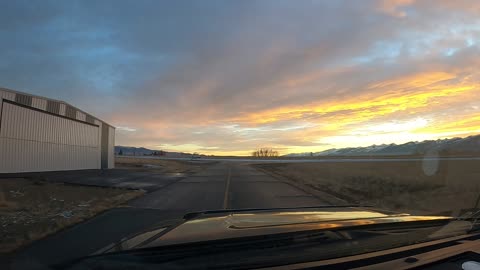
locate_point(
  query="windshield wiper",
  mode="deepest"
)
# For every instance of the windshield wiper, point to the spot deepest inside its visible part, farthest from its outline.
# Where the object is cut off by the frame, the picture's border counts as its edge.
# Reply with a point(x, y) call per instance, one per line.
point(473, 216)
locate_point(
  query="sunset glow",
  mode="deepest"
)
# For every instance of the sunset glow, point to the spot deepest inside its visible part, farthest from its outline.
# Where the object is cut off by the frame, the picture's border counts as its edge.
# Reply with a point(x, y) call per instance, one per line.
point(295, 76)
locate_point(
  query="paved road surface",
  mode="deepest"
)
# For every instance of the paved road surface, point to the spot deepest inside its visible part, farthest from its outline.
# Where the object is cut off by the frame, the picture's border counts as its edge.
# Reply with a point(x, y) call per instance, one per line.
point(226, 185)
point(146, 178)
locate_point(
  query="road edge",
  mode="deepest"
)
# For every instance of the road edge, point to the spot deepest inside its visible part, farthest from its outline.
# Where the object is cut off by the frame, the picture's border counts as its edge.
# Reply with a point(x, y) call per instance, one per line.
point(321, 195)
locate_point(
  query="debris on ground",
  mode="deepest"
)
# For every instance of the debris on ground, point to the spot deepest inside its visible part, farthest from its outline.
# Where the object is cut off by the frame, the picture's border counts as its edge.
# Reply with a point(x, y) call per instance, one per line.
point(30, 211)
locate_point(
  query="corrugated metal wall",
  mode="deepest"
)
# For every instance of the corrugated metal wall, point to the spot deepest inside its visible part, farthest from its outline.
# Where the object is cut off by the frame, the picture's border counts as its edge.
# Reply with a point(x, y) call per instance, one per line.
point(6, 96)
point(32, 139)
point(36, 141)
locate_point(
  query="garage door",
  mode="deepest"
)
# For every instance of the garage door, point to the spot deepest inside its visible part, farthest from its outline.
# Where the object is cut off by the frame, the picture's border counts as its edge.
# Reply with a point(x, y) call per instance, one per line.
point(33, 140)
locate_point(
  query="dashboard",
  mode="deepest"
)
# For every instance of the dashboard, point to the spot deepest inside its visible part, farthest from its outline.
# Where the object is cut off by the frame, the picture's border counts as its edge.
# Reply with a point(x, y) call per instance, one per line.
point(461, 252)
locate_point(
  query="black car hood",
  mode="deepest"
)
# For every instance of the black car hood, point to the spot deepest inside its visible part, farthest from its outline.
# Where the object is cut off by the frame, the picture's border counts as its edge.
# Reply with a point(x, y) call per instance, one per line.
point(218, 225)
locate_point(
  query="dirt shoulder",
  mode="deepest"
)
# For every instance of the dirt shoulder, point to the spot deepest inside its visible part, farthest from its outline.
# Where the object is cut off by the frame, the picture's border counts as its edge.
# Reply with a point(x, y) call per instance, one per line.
point(33, 209)
point(162, 165)
point(416, 187)
point(35, 205)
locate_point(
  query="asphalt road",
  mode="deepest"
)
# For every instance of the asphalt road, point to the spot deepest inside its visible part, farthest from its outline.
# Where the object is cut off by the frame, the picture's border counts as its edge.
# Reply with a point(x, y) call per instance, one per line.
point(225, 185)
point(148, 179)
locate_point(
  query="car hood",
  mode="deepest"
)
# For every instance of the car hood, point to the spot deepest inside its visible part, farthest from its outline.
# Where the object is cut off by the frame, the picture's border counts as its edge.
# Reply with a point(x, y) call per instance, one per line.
point(216, 225)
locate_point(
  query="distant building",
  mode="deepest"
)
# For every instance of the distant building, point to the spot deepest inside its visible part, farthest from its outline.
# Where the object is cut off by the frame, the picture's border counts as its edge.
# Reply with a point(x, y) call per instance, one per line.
point(42, 134)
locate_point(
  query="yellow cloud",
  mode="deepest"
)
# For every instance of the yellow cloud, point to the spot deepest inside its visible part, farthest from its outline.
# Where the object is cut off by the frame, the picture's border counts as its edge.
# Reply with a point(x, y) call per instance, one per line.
point(412, 94)
point(397, 110)
point(464, 124)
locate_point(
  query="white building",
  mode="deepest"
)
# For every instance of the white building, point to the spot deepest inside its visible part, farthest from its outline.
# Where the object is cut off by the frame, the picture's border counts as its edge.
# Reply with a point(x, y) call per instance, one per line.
point(41, 134)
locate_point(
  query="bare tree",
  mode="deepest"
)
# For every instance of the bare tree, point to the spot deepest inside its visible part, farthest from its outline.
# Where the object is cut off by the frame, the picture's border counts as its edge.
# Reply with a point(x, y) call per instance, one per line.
point(265, 152)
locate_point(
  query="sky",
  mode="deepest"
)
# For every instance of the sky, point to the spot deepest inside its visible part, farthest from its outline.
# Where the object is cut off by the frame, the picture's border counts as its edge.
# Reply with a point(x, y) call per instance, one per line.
point(227, 77)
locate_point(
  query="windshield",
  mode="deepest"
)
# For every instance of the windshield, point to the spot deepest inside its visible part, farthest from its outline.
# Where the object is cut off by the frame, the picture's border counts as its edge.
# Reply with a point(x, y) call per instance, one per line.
point(121, 117)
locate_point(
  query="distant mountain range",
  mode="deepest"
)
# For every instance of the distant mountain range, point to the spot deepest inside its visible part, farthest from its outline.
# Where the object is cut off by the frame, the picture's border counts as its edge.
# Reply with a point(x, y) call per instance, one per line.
point(141, 151)
point(468, 145)
point(455, 146)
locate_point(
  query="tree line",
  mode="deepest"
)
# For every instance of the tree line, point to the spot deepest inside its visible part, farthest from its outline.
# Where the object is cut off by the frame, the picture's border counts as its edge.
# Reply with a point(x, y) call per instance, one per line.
point(265, 152)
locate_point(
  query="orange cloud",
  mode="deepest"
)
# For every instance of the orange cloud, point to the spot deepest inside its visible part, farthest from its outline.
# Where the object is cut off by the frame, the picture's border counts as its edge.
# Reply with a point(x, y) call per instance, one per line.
point(392, 7)
point(426, 91)
point(336, 122)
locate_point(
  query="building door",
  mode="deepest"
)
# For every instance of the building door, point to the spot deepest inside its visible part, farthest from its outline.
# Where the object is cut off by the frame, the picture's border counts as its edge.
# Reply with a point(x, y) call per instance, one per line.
point(104, 146)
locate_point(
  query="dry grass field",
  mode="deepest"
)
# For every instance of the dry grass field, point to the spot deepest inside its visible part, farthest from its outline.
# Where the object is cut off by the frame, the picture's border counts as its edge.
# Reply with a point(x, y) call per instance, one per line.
point(424, 187)
point(161, 165)
point(30, 209)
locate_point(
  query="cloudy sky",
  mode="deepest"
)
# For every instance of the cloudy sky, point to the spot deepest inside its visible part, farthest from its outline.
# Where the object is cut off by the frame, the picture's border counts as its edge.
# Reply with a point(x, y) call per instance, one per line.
point(226, 77)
